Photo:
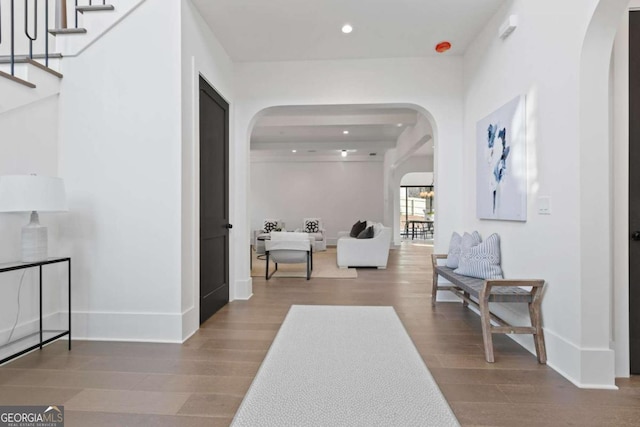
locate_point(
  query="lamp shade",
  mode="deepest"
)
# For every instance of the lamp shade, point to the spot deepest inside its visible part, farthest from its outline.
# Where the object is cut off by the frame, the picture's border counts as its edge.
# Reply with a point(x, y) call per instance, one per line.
point(27, 193)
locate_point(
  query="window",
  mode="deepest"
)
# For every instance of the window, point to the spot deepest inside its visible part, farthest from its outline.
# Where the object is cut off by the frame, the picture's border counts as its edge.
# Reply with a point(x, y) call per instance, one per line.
point(415, 203)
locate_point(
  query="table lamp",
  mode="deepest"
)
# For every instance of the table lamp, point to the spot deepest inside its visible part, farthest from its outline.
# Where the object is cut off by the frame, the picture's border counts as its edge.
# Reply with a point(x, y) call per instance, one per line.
point(32, 193)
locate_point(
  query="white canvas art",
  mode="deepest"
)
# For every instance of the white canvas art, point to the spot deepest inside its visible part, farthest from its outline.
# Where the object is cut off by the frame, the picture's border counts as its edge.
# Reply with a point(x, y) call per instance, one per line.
point(501, 163)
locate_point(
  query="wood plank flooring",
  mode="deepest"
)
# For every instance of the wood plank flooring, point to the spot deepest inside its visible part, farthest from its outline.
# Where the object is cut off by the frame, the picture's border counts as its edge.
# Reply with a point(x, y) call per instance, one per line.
point(202, 382)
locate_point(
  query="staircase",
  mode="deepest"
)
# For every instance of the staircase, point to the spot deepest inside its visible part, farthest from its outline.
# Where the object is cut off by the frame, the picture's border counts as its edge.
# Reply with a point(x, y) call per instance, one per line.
point(35, 36)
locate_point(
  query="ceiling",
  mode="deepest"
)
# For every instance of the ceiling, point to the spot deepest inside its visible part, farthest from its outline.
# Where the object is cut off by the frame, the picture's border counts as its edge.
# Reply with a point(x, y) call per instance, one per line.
point(319, 132)
point(277, 30)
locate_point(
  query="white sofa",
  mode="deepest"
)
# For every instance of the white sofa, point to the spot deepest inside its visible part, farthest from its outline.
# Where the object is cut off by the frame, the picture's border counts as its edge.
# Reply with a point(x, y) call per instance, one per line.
point(373, 252)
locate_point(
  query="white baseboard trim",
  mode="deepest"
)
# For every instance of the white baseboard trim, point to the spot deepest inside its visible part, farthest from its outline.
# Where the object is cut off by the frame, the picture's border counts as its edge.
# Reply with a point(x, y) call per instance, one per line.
point(190, 322)
point(588, 368)
point(140, 327)
point(57, 321)
point(243, 289)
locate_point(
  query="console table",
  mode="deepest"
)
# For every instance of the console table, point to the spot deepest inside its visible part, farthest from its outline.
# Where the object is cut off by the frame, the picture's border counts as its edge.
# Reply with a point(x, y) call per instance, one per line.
point(13, 266)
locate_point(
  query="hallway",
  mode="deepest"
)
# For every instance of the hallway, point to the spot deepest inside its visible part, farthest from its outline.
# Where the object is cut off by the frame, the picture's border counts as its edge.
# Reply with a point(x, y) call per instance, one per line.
point(203, 381)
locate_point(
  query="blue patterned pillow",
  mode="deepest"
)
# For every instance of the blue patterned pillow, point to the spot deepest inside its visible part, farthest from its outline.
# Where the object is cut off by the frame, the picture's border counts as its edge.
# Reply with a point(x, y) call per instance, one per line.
point(481, 261)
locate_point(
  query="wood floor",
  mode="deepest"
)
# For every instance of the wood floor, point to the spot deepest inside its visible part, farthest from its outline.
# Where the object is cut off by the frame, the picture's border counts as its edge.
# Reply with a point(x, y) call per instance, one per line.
point(202, 382)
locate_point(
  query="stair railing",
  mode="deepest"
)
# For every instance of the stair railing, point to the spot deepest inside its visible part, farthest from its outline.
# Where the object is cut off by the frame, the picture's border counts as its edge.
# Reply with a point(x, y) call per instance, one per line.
point(36, 23)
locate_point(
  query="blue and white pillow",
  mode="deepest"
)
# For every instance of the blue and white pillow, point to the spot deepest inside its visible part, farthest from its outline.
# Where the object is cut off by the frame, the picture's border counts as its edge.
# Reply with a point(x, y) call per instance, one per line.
point(482, 260)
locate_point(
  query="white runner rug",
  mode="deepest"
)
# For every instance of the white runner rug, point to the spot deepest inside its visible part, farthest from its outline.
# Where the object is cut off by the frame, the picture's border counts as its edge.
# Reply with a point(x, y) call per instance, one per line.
point(343, 366)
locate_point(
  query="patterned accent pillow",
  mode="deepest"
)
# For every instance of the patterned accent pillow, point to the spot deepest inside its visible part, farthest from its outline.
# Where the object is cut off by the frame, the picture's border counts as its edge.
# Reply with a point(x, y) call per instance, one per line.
point(481, 261)
point(311, 225)
point(270, 225)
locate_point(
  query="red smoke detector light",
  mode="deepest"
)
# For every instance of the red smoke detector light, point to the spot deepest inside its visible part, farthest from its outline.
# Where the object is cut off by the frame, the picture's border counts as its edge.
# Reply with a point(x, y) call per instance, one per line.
point(443, 47)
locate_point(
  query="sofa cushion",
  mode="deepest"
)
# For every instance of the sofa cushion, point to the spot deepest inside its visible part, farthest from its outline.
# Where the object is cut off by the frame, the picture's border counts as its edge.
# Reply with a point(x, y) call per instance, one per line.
point(357, 228)
point(482, 260)
point(367, 233)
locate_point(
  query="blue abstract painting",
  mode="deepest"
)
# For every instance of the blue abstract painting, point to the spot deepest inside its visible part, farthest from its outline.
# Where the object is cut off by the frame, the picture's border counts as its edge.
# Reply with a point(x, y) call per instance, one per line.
point(501, 163)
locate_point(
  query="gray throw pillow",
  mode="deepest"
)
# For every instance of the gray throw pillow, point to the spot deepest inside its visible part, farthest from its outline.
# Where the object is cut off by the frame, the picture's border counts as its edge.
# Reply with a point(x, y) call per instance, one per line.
point(481, 261)
point(459, 244)
point(367, 233)
point(455, 247)
point(358, 228)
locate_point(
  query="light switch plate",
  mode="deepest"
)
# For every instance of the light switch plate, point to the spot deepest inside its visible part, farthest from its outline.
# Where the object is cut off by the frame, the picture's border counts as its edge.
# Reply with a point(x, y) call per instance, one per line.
point(544, 205)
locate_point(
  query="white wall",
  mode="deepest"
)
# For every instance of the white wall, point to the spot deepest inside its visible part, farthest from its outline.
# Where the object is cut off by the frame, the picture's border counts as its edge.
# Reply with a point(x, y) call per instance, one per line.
point(120, 151)
point(552, 247)
point(340, 193)
point(417, 178)
point(29, 144)
point(431, 85)
point(201, 55)
point(620, 190)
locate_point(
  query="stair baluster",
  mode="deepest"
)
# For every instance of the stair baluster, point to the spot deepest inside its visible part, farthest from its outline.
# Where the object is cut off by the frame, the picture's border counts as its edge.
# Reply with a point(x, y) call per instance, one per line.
point(33, 37)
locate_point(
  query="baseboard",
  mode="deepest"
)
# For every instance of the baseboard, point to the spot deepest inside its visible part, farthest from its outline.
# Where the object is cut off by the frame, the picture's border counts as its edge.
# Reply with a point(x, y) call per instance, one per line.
point(57, 321)
point(190, 322)
point(589, 368)
point(243, 289)
point(140, 327)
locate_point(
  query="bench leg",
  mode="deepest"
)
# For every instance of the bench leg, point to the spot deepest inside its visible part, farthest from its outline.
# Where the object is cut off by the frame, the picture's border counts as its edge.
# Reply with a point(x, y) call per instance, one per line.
point(538, 336)
point(434, 288)
point(486, 327)
point(465, 303)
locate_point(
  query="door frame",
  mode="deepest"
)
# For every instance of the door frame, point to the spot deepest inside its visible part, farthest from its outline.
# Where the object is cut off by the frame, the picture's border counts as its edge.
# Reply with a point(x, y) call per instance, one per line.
point(190, 223)
point(218, 98)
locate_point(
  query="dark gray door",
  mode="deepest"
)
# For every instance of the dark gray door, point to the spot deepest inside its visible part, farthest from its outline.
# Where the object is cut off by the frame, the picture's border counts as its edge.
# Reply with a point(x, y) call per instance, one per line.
point(214, 201)
point(634, 190)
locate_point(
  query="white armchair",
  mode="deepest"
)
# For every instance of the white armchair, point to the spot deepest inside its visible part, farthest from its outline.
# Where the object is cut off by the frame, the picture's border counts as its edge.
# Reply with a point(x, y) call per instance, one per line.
point(372, 252)
point(314, 227)
point(289, 248)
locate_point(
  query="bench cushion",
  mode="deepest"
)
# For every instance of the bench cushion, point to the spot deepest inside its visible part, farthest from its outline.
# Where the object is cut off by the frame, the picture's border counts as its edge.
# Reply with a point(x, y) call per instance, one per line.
point(473, 286)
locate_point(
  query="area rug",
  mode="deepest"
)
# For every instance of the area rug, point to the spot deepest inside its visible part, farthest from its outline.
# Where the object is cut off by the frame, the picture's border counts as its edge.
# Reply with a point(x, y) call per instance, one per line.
point(343, 366)
point(325, 266)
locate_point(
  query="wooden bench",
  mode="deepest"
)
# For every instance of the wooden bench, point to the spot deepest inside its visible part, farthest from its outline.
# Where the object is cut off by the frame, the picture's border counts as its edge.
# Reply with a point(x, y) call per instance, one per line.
point(494, 290)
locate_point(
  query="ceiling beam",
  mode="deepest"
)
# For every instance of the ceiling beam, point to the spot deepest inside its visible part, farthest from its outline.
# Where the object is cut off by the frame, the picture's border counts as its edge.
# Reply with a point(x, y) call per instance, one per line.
point(324, 145)
point(337, 120)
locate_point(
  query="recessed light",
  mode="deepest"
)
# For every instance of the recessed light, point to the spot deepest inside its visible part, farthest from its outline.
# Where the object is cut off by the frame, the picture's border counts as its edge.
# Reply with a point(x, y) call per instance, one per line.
point(399, 125)
point(344, 153)
point(294, 151)
point(345, 132)
point(347, 28)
